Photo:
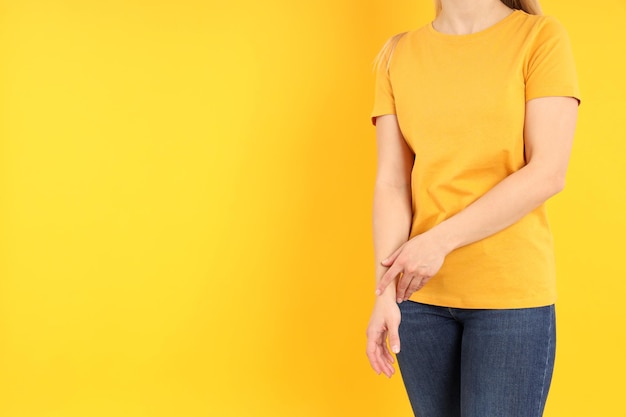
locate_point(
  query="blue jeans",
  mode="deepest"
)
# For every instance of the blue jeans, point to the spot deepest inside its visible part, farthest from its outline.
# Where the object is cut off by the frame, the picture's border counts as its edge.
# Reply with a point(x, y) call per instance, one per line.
point(476, 363)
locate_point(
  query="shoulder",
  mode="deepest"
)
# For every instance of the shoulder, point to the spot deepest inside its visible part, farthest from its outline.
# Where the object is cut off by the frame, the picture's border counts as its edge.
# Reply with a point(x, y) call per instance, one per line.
point(383, 58)
point(393, 44)
point(544, 26)
point(551, 28)
point(537, 33)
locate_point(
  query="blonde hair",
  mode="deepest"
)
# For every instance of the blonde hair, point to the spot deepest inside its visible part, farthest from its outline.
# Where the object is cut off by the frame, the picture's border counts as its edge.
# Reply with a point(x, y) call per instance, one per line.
point(529, 6)
point(384, 55)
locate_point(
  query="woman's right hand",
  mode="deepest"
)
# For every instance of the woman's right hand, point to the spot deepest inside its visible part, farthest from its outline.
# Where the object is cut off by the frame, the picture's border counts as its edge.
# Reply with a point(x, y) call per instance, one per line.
point(383, 325)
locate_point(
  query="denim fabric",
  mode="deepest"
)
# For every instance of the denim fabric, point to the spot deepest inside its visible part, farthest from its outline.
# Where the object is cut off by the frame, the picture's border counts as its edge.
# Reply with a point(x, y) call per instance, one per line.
point(476, 363)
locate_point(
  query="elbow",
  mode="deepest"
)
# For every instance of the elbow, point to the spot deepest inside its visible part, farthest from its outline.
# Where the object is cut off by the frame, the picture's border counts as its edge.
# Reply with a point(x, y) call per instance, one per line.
point(555, 184)
point(549, 179)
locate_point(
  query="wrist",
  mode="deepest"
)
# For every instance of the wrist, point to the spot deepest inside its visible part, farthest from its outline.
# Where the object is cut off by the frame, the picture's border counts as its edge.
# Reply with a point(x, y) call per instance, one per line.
point(444, 237)
point(389, 293)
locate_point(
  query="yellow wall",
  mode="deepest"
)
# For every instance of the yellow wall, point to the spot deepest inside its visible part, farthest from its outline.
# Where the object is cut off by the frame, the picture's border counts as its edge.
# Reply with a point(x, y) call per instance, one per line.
point(185, 209)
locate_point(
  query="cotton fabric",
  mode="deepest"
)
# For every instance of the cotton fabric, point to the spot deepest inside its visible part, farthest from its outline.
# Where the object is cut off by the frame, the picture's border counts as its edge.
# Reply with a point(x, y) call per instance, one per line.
point(460, 103)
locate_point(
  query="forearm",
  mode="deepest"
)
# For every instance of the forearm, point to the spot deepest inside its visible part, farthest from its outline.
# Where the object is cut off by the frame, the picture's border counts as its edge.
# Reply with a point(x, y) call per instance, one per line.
point(392, 216)
point(502, 206)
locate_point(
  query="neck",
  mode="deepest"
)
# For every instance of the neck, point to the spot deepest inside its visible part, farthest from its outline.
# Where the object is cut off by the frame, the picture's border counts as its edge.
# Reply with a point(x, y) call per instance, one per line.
point(461, 17)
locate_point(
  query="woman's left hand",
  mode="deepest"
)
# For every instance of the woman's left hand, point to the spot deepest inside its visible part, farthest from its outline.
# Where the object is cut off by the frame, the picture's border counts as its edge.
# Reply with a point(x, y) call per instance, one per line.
point(418, 260)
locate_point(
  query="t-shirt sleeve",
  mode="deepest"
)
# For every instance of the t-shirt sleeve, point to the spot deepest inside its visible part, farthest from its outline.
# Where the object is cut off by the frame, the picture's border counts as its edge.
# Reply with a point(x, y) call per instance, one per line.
point(384, 102)
point(383, 95)
point(551, 70)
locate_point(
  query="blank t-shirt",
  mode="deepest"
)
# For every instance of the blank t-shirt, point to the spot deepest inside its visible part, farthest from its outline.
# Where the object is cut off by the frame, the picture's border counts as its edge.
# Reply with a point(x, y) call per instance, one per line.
point(460, 103)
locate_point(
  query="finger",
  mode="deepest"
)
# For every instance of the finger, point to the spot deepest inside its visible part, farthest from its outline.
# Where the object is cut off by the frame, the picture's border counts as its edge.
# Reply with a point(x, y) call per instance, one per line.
point(389, 276)
point(376, 353)
point(392, 258)
point(374, 363)
point(384, 366)
point(388, 356)
point(416, 284)
point(421, 284)
point(394, 337)
point(377, 365)
point(403, 283)
point(388, 369)
point(375, 342)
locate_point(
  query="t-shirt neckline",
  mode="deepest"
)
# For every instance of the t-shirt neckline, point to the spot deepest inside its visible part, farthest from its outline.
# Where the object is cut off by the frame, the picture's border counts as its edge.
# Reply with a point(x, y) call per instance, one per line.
point(475, 35)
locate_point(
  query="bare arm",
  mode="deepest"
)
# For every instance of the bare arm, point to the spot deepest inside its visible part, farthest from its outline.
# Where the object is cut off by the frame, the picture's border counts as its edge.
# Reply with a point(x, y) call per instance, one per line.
point(392, 216)
point(548, 135)
point(392, 213)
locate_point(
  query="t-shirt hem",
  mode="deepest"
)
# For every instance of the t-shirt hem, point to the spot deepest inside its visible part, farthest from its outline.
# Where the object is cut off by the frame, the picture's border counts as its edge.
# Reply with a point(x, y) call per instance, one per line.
point(484, 303)
point(374, 115)
point(563, 93)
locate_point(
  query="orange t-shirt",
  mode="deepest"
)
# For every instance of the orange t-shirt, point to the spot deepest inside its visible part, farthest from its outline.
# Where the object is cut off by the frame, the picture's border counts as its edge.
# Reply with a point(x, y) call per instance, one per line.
point(460, 103)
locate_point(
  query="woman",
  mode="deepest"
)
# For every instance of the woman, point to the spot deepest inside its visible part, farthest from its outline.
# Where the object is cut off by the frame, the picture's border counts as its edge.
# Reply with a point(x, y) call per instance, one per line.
point(475, 116)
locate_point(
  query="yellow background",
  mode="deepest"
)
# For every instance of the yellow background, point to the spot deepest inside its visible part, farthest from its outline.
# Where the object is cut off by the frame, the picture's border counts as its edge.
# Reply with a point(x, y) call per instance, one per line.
point(185, 209)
